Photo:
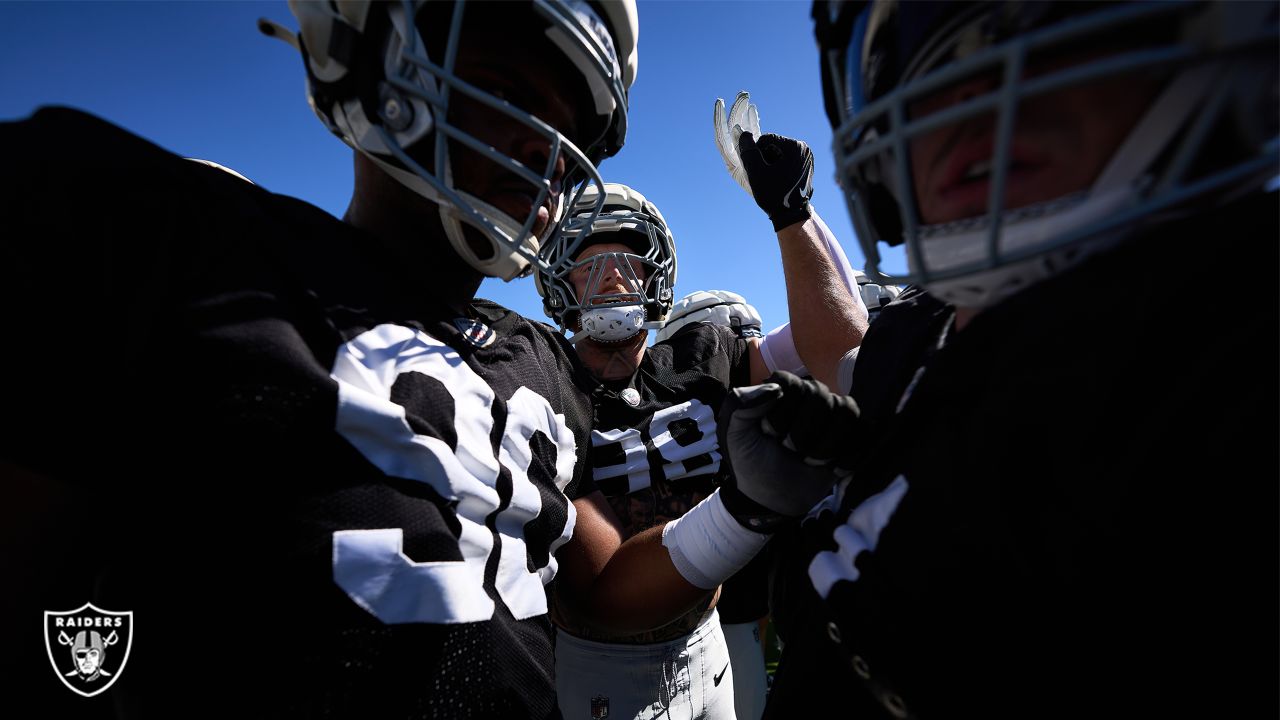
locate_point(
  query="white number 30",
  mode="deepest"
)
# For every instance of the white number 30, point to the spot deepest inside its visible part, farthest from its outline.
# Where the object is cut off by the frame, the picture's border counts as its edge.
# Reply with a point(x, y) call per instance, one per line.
point(370, 565)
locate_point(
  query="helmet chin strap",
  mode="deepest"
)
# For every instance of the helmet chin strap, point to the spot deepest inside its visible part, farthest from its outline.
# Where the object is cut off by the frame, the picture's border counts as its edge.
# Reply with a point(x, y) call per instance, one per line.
point(1022, 229)
point(505, 262)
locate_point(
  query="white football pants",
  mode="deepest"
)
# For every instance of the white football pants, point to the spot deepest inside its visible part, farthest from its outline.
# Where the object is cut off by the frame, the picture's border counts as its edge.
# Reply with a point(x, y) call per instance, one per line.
point(746, 653)
point(684, 679)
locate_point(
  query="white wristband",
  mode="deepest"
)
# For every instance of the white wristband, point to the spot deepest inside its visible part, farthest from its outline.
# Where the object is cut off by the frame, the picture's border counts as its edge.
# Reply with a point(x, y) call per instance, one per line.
point(707, 546)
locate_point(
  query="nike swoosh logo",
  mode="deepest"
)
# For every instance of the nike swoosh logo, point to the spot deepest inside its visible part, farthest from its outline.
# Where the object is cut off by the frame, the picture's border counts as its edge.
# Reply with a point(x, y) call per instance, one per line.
point(807, 179)
point(720, 677)
point(786, 199)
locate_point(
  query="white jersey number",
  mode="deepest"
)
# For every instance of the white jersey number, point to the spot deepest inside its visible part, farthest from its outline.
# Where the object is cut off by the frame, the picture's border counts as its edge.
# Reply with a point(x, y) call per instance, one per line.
point(684, 436)
point(370, 565)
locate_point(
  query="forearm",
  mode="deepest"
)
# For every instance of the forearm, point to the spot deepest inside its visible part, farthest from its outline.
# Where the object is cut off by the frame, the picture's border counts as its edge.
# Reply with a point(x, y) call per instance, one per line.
point(640, 588)
point(655, 577)
point(827, 319)
point(619, 587)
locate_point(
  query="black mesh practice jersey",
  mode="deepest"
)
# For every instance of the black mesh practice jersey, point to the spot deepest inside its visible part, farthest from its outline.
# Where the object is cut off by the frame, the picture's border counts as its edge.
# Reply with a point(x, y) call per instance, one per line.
point(660, 428)
point(1070, 511)
point(654, 449)
point(319, 492)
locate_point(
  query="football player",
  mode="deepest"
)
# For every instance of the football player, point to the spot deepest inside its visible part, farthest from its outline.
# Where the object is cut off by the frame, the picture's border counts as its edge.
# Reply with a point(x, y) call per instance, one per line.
point(731, 310)
point(1065, 505)
point(299, 439)
point(743, 605)
point(655, 449)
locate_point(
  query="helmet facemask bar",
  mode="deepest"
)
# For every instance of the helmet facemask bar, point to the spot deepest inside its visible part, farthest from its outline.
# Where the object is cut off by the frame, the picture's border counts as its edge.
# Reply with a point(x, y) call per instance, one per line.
point(873, 165)
point(462, 205)
point(413, 104)
point(627, 265)
point(654, 293)
point(609, 82)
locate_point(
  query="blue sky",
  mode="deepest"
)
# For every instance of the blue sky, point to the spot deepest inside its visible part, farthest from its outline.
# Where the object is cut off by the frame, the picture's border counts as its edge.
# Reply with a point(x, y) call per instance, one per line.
point(197, 78)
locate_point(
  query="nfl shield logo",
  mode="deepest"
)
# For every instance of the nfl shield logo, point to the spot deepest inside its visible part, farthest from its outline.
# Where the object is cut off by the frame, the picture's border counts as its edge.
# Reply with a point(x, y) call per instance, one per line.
point(476, 333)
point(599, 707)
point(88, 647)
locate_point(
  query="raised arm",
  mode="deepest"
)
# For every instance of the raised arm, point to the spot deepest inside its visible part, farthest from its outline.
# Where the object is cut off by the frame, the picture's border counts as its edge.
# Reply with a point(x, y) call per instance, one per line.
point(828, 317)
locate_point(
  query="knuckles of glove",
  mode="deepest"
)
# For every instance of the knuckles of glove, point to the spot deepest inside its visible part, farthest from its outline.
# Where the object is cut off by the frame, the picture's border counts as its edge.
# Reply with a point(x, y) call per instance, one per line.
point(819, 425)
point(774, 478)
point(773, 154)
point(779, 170)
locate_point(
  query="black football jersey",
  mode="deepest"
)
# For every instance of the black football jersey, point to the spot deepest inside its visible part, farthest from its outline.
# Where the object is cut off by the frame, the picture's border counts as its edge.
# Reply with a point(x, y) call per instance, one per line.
point(319, 491)
point(654, 450)
point(659, 428)
point(1069, 510)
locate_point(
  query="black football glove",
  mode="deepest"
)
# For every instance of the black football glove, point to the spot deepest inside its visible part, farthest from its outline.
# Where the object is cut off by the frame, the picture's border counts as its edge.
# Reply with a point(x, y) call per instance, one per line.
point(787, 442)
point(780, 171)
point(819, 425)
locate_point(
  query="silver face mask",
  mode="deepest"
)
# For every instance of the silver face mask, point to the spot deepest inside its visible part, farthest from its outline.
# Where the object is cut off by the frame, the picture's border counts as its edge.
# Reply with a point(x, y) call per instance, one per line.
point(409, 107)
point(627, 218)
point(1219, 61)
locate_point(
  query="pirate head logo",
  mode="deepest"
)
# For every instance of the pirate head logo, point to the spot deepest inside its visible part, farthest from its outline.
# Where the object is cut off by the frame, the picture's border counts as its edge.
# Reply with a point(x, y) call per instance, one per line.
point(88, 647)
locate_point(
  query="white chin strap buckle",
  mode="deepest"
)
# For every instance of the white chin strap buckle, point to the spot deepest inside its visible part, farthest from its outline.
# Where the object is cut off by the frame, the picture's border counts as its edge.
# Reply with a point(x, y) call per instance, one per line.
point(613, 323)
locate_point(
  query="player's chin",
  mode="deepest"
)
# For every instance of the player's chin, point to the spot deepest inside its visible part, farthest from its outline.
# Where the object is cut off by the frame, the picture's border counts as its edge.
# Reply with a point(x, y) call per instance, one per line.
point(518, 206)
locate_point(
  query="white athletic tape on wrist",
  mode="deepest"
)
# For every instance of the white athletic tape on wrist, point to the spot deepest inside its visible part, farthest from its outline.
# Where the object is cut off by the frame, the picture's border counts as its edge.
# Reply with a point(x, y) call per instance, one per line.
point(707, 546)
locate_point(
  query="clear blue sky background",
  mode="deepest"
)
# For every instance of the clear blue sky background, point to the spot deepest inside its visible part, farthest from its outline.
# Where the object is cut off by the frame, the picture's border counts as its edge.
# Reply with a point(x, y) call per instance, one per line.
point(197, 78)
